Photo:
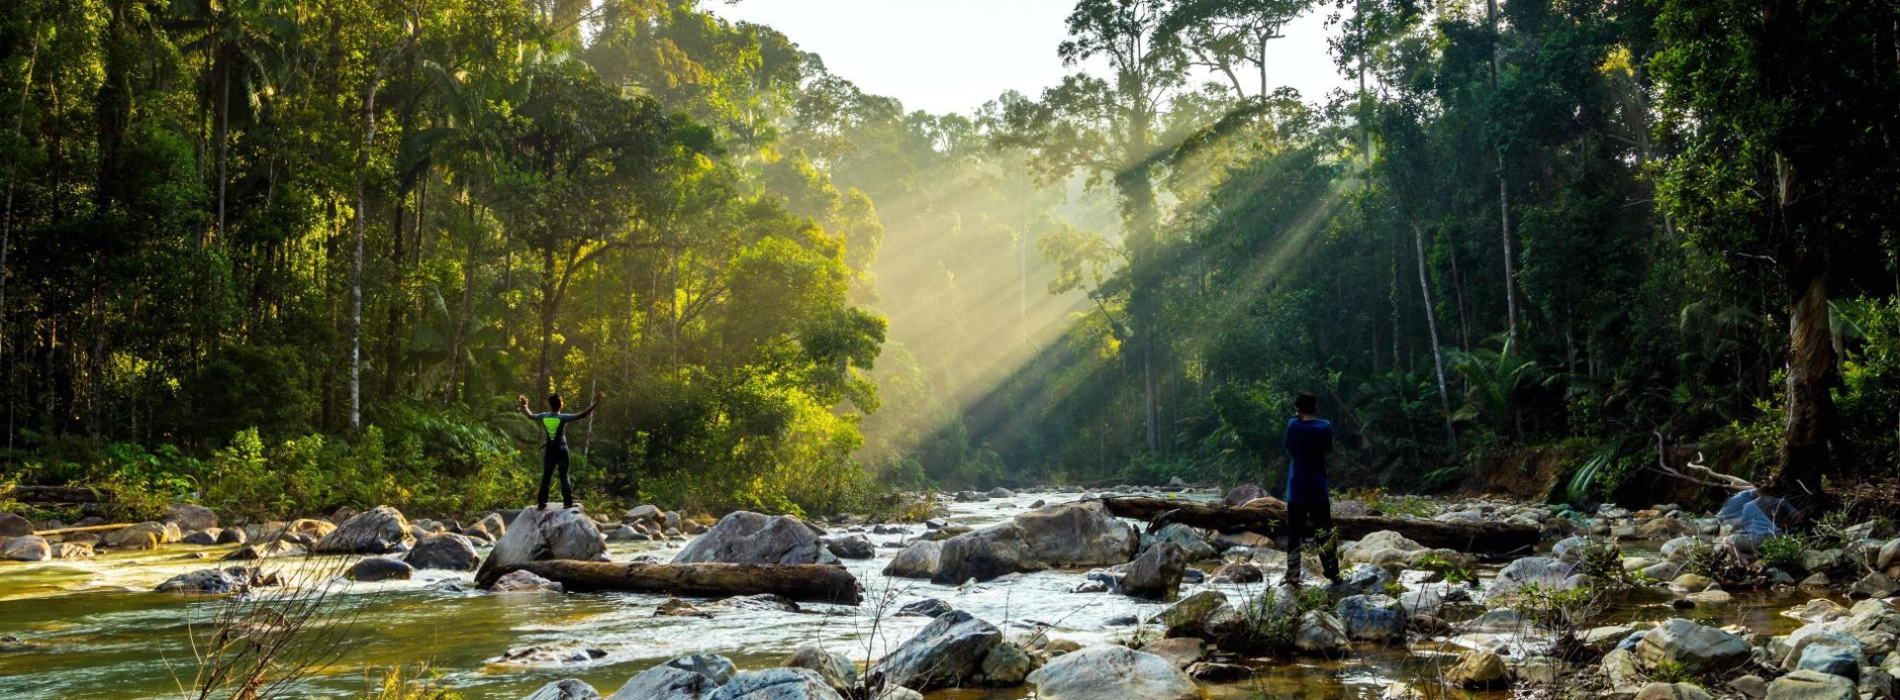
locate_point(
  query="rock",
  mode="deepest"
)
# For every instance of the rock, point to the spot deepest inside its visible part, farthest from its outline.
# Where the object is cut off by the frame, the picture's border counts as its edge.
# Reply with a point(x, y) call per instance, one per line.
point(540, 535)
point(1750, 686)
point(1000, 492)
point(550, 654)
point(851, 547)
point(1211, 672)
point(644, 513)
point(665, 682)
point(918, 560)
point(492, 526)
point(745, 537)
point(1820, 560)
point(1066, 535)
point(26, 548)
point(190, 517)
point(1006, 665)
point(1479, 669)
point(1817, 581)
point(945, 652)
point(1321, 634)
point(900, 694)
point(674, 607)
point(1544, 572)
point(1180, 651)
point(1383, 548)
point(1833, 653)
point(1664, 528)
point(1811, 685)
point(928, 607)
point(1672, 691)
point(522, 582)
point(1874, 585)
point(379, 530)
point(1240, 572)
point(1111, 673)
point(14, 526)
point(202, 538)
point(1362, 579)
point(1156, 574)
point(72, 550)
point(1619, 666)
point(1817, 610)
point(1188, 617)
point(837, 671)
point(1692, 583)
point(134, 537)
point(447, 552)
point(569, 689)
point(374, 569)
point(1192, 543)
point(776, 684)
point(1698, 649)
point(1371, 617)
point(761, 601)
point(1602, 639)
point(232, 535)
point(267, 550)
point(305, 532)
point(714, 667)
point(1243, 493)
point(210, 581)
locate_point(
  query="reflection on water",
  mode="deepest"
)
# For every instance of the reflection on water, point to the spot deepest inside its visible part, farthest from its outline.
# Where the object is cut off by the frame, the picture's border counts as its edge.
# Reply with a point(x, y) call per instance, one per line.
point(97, 632)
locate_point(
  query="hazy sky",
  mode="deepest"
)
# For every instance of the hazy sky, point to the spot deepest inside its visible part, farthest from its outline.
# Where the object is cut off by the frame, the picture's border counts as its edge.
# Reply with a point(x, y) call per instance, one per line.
point(954, 55)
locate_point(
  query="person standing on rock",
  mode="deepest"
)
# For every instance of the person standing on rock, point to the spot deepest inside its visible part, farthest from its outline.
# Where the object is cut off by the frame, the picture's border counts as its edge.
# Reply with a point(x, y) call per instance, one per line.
point(1309, 510)
point(554, 452)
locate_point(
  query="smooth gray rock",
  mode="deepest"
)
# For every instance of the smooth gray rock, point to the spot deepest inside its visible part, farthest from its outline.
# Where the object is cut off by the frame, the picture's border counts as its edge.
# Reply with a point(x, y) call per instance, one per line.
point(570, 689)
point(1372, 618)
point(26, 548)
point(1156, 574)
point(717, 669)
point(744, 537)
point(379, 530)
point(851, 547)
point(446, 552)
point(776, 684)
point(1109, 672)
point(944, 653)
point(202, 538)
point(1065, 535)
point(1698, 649)
point(1193, 544)
point(540, 535)
point(14, 526)
point(373, 569)
point(665, 683)
point(1321, 634)
point(1243, 493)
point(1811, 685)
point(836, 669)
point(919, 559)
point(1544, 572)
point(210, 581)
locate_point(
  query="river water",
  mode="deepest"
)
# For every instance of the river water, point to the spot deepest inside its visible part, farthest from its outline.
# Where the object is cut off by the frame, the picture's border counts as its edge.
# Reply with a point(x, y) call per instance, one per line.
point(93, 629)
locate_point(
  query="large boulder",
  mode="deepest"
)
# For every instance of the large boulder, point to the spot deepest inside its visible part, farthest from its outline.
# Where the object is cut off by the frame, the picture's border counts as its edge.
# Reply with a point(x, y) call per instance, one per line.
point(1383, 548)
point(265, 550)
point(837, 670)
point(449, 552)
point(1193, 544)
point(946, 652)
point(190, 517)
point(1188, 617)
point(375, 569)
point(1811, 685)
point(1058, 536)
point(235, 579)
point(135, 537)
point(917, 560)
point(541, 535)
point(714, 667)
point(1479, 668)
point(1372, 617)
point(1156, 574)
point(14, 526)
point(1111, 673)
point(851, 547)
point(1322, 634)
point(1832, 653)
point(1695, 648)
point(379, 530)
point(665, 683)
point(776, 684)
point(745, 537)
point(1243, 493)
point(26, 548)
point(1543, 572)
point(569, 689)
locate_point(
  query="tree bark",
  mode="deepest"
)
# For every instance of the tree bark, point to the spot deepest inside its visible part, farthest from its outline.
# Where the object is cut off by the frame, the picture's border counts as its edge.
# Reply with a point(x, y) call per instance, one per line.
point(801, 582)
point(1431, 324)
point(1268, 515)
point(1805, 449)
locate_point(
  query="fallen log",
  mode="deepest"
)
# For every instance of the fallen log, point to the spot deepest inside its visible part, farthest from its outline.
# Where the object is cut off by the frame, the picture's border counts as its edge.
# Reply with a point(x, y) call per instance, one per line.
point(1267, 516)
point(801, 582)
point(88, 528)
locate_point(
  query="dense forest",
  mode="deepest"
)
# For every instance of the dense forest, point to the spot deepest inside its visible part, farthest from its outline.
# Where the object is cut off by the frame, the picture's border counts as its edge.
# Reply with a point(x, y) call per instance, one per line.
point(279, 255)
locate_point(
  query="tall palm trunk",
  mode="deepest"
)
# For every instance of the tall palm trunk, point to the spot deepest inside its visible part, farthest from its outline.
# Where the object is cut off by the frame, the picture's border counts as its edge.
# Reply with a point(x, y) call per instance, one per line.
point(1431, 324)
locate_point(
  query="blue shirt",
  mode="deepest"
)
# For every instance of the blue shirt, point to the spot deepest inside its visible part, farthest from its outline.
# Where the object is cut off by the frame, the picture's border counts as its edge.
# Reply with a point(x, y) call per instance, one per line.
point(1307, 443)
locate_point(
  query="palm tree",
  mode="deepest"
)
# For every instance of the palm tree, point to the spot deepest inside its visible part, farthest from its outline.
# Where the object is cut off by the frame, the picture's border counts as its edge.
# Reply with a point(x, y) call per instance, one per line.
point(245, 45)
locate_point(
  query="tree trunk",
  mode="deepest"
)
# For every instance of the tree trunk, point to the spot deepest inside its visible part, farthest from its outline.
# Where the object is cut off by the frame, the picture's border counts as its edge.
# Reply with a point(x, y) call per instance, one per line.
point(1268, 515)
point(1431, 324)
point(802, 582)
point(1805, 453)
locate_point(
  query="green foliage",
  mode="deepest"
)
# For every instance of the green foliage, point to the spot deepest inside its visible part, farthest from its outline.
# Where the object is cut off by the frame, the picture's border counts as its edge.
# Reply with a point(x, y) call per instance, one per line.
point(397, 684)
point(1782, 551)
point(1560, 611)
point(1455, 574)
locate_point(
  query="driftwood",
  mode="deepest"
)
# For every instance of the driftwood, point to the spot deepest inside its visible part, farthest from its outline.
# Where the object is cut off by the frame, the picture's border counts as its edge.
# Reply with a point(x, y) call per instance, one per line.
point(1267, 516)
point(801, 582)
point(88, 528)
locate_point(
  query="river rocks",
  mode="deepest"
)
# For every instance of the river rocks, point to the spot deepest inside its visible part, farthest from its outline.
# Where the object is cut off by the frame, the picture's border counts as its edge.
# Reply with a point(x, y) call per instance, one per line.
point(569, 689)
point(1111, 673)
point(1874, 585)
point(1321, 634)
point(674, 607)
point(1243, 493)
point(1362, 579)
point(1156, 574)
point(744, 537)
point(305, 532)
point(1544, 572)
point(235, 579)
point(190, 517)
point(135, 537)
point(374, 569)
point(1192, 543)
point(447, 552)
point(1811, 685)
point(72, 550)
point(759, 602)
point(970, 497)
point(1000, 492)
point(1619, 667)
point(1371, 618)
point(948, 650)
point(492, 527)
point(379, 530)
point(1672, 691)
point(1240, 572)
point(557, 654)
point(1696, 648)
point(1066, 535)
point(851, 547)
point(266, 550)
point(539, 535)
point(1817, 610)
point(776, 684)
point(1664, 528)
point(26, 548)
point(1383, 548)
point(1005, 666)
point(837, 671)
point(1832, 653)
point(918, 560)
point(1479, 669)
point(1601, 640)
point(202, 538)
point(1180, 651)
point(14, 526)
point(715, 668)
point(928, 607)
point(665, 683)
point(1188, 617)
point(523, 582)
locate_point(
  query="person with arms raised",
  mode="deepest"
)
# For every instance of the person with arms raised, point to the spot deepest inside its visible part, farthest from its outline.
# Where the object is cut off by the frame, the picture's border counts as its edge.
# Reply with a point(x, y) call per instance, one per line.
point(554, 451)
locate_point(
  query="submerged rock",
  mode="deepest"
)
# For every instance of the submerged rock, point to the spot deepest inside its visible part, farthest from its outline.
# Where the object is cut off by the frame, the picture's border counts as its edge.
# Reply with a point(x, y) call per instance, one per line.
point(558, 654)
point(1111, 673)
point(744, 537)
point(190, 517)
point(211, 581)
point(928, 607)
point(851, 547)
point(1321, 634)
point(716, 668)
point(523, 582)
point(265, 550)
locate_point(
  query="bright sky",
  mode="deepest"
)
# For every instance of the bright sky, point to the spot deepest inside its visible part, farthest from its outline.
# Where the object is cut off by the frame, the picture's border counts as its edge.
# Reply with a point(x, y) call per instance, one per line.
point(954, 55)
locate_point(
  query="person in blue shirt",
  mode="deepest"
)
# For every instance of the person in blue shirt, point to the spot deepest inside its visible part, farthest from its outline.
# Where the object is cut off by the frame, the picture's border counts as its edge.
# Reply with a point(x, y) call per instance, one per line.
point(1751, 517)
point(1309, 510)
point(554, 451)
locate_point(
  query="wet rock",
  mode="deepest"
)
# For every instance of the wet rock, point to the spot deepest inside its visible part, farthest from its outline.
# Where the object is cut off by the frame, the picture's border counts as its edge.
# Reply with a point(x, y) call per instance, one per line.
point(744, 537)
point(1362, 579)
point(14, 526)
point(1371, 617)
point(837, 671)
point(1066, 535)
point(202, 538)
point(928, 607)
point(1188, 617)
point(1874, 585)
point(1750, 686)
point(539, 535)
point(1000, 492)
point(1211, 672)
point(1692, 583)
point(776, 684)
point(1811, 685)
point(1479, 669)
point(267, 550)
point(1696, 648)
point(851, 547)
point(760, 602)
point(970, 497)
point(674, 607)
point(135, 537)
point(235, 579)
point(1428, 625)
point(1240, 572)
point(1544, 572)
point(72, 550)
point(948, 650)
point(558, 654)
point(1006, 665)
point(1383, 548)
point(1817, 581)
point(26, 548)
point(1664, 528)
point(1817, 610)
point(379, 530)
point(303, 532)
point(447, 552)
point(715, 668)
point(1602, 639)
point(1111, 673)
point(1832, 653)
point(523, 582)
point(1672, 691)
point(1156, 574)
point(900, 694)
point(1180, 651)
point(569, 689)
point(1243, 493)
point(1193, 544)
point(375, 569)
point(665, 683)
point(1321, 634)
point(190, 517)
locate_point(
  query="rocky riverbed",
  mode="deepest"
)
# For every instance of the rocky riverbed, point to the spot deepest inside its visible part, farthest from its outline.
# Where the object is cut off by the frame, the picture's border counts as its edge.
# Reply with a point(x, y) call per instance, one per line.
point(1005, 596)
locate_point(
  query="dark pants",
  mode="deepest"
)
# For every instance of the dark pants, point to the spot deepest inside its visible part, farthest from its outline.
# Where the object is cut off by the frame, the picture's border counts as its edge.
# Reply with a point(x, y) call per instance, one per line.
point(1304, 520)
point(555, 456)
